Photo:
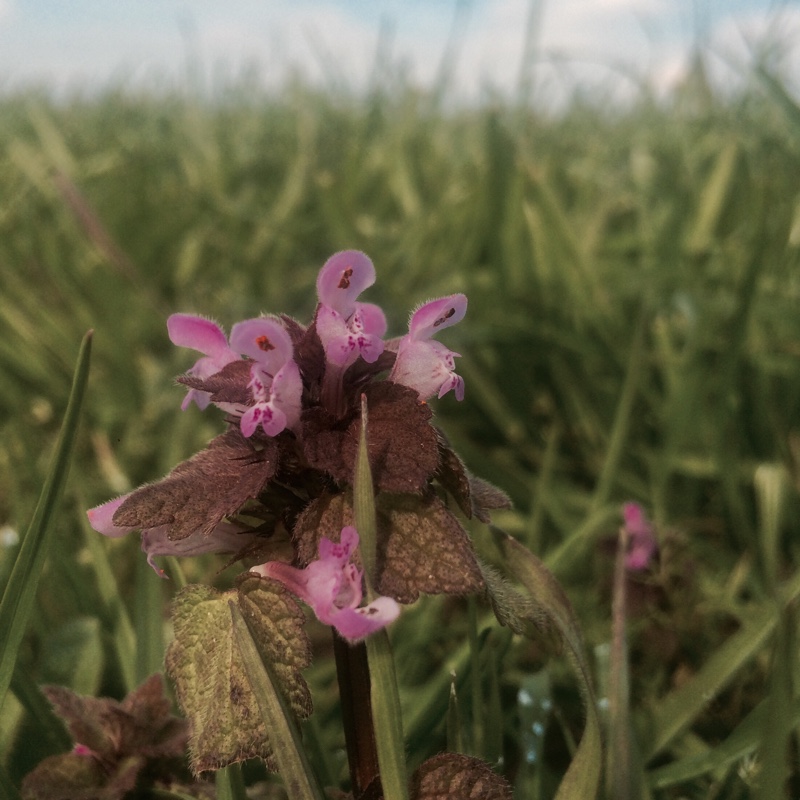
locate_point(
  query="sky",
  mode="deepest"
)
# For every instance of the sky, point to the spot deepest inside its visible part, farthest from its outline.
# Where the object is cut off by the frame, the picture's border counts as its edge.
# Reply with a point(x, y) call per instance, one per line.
point(90, 44)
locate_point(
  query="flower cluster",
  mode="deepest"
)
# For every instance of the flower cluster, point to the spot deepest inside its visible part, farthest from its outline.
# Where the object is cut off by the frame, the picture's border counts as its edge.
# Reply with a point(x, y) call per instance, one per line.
point(332, 587)
point(282, 473)
point(346, 329)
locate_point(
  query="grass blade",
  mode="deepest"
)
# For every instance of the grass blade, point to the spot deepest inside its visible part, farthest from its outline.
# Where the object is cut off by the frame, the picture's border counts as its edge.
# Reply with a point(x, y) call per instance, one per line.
point(383, 678)
point(287, 744)
point(678, 709)
point(20, 593)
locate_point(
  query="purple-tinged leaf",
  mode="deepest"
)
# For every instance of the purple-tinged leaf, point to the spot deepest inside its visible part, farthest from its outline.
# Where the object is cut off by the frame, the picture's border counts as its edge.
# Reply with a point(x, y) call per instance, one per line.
point(403, 450)
point(422, 549)
point(195, 497)
point(452, 776)
point(475, 497)
point(229, 385)
point(117, 745)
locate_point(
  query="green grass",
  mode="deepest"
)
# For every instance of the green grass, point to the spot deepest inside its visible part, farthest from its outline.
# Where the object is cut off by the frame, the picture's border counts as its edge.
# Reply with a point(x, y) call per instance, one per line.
point(633, 334)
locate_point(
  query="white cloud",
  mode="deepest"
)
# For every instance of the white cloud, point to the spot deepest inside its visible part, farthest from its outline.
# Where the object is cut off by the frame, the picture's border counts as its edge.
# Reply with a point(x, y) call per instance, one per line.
point(593, 42)
point(6, 10)
point(735, 42)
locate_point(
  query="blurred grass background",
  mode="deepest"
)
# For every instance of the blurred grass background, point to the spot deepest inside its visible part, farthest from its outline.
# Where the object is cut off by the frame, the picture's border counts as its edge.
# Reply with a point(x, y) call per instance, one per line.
point(633, 334)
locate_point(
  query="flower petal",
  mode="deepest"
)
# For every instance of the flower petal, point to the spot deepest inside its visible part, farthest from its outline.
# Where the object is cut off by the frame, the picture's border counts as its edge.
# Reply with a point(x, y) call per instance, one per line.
point(331, 585)
point(436, 315)
point(287, 393)
point(264, 340)
point(265, 414)
point(198, 333)
point(342, 279)
point(428, 367)
point(225, 538)
point(356, 623)
point(345, 341)
point(339, 552)
point(373, 320)
point(101, 518)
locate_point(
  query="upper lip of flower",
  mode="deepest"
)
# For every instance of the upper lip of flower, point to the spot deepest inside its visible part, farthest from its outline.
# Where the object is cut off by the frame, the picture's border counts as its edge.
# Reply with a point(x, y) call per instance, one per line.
point(205, 336)
point(342, 279)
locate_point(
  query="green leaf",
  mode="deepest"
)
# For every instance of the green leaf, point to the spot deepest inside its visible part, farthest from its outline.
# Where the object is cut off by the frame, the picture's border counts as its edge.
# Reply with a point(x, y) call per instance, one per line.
point(493, 716)
point(20, 592)
point(717, 193)
point(7, 788)
point(778, 729)
point(582, 778)
point(149, 620)
point(770, 485)
point(623, 417)
point(74, 656)
point(364, 505)
point(211, 681)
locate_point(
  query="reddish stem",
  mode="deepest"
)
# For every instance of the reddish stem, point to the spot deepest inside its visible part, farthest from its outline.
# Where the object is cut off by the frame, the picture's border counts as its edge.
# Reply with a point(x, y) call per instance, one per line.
point(352, 671)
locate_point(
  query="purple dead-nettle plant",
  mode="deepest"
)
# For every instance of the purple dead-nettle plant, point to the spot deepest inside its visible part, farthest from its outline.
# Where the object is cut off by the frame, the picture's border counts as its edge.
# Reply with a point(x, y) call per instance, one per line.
point(276, 489)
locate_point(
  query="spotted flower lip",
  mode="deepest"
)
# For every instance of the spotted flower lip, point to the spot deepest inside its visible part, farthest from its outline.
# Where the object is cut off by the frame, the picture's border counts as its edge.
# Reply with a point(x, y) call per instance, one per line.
point(332, 587)
point(348, 329)
point(342, 279)
point(275, 379)
point(205, 336)
point(264, 340)
point(426, 365)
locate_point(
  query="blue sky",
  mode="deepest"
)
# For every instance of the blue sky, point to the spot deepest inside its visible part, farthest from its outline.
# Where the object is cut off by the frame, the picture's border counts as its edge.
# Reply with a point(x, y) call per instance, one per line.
point(90, 43)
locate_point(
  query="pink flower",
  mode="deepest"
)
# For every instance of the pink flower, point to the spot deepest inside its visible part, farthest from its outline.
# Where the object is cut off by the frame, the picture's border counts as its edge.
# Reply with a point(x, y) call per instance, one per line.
point(186, 330)
point(346, 328)
point(332, 587)
point(274, 376)
point(225, 538)
point(425, 365)
point(642, 544)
